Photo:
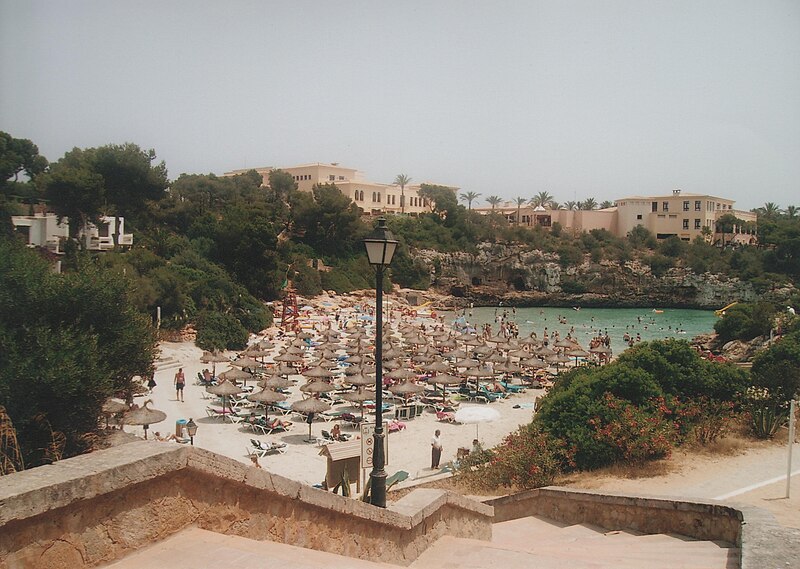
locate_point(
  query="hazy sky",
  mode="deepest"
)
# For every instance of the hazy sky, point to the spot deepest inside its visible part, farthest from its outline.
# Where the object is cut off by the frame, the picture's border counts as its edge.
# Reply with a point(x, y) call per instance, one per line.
point(579, 98)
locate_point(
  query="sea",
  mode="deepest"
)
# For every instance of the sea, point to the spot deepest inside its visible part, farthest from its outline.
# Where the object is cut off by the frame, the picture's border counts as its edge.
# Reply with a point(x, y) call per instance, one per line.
point(586, 323)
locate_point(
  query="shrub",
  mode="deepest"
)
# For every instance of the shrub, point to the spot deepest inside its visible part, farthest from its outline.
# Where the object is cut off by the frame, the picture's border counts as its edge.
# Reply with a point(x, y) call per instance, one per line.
point(777, 369)
point(631, 433)
point(745, 321)
point(527, 458)
point(218, 331)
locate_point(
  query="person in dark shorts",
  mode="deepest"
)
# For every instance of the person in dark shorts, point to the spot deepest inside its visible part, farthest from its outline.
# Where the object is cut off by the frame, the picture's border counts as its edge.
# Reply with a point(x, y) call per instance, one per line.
point(180, 383)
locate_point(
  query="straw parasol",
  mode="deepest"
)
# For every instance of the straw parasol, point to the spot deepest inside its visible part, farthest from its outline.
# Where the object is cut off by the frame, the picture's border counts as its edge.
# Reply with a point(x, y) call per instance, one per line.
point(360, 380)
point(309, 407)
point(437, 366)
point(266, 395)
point(317, 386)
point(317, 372)
point(358, 396)
point(213, 358)
point(276, 382)
point(112, 407)
point(235, 374)
point(144, 416)
point(224, 390)
point(401, 374)
point(444, 379)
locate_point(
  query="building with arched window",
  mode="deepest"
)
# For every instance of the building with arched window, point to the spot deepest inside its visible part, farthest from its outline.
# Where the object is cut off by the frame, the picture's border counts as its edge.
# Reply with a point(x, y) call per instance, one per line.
point(371, 197)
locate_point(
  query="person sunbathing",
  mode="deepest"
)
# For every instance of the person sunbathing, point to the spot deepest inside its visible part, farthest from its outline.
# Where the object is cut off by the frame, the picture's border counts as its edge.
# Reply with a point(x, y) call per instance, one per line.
point(158, 437)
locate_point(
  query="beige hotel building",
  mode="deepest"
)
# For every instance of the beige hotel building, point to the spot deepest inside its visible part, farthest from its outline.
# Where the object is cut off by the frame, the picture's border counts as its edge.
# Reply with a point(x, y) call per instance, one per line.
point(371, 197)
point(677, 214)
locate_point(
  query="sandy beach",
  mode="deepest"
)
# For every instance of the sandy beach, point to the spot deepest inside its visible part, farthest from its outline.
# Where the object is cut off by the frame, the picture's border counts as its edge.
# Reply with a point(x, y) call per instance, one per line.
point(409, 449)
point(748, 476)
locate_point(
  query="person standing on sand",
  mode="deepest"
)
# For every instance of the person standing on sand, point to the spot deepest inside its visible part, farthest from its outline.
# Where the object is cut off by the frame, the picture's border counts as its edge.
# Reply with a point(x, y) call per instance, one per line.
point(180, 383)
point(436, 449)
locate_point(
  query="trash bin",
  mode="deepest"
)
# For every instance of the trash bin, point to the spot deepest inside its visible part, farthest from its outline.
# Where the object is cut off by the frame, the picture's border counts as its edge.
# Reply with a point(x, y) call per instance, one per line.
point(180, 425)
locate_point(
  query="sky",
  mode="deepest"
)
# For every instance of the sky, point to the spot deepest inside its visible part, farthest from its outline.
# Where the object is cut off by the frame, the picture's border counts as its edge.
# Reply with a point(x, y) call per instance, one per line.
point(579, 98)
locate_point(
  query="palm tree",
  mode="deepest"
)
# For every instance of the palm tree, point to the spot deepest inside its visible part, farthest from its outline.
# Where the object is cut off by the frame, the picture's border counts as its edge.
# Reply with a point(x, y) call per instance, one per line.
point(605, 204)
point(402, 180)
point(469, 197)
point(543, 199)
point(519, 201)
point(770, 210)
point(589, 204)
point(791, 211)
point(571, 205)
point(494, 201)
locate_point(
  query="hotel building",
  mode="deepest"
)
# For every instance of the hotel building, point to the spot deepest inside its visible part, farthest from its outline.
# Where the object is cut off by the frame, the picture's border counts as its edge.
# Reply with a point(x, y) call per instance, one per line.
point(371, 197)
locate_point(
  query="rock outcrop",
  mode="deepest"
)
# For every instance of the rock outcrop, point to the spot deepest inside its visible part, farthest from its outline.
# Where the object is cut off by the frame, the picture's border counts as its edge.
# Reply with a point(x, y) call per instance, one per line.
point(521, 277)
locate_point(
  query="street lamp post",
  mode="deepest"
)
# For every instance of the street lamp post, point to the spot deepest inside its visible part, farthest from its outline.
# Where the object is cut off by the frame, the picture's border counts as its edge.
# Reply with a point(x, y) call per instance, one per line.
point(380, 248)
point(191, 429)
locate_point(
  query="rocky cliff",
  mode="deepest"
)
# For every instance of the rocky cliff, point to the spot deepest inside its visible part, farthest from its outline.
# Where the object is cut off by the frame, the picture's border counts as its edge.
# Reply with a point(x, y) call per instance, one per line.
point(520, 277)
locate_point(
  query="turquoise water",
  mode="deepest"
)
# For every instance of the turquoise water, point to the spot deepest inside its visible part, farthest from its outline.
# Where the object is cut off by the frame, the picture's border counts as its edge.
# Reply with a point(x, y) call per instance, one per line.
point(589, 322)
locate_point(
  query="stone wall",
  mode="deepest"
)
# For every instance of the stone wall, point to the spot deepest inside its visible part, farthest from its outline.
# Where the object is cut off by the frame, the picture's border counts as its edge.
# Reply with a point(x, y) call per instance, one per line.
point(96, 508)
point(700, 520)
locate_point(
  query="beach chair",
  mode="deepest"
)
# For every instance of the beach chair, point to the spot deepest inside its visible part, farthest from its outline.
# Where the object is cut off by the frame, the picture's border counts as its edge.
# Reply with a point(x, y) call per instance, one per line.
point(445, 416)
point(216, 413)
point(511, 388)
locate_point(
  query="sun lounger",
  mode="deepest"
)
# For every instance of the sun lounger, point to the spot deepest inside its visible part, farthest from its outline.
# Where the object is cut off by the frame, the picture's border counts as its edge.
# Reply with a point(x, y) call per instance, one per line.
point(262, 449)
point(511, 388)
point(445, 416)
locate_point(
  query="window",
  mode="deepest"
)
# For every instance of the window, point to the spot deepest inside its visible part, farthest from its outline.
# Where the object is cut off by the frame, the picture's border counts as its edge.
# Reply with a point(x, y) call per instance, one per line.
point(341, 177)
point(686, 205)
point(686, 224)
point(331, 178)
point(655, 206)
point(697, 224)
point(373, 197)
point(665, 206)
point(639, 216)
point(697, 205)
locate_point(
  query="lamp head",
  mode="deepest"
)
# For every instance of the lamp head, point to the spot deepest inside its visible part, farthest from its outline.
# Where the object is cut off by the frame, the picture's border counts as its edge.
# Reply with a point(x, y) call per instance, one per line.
point(380, 245)
point(191, 428)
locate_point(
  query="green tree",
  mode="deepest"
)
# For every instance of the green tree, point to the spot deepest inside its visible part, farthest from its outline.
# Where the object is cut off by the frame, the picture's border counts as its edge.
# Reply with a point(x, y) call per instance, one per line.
point(17, 156)
point(588, 204)
point(605, 204)
point(75, 190)
point(519, 201)
point(494, 201)
point(571, 205)
point(778, 368)
point(726, 224)
point(82, 341)
point(543, 199)
point(469, 197)
point(402, 180)
point(441, 199)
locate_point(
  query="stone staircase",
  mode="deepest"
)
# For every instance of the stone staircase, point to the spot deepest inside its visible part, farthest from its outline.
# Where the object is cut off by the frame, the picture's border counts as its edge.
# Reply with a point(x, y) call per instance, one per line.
point(539, 543)
point(529, 543)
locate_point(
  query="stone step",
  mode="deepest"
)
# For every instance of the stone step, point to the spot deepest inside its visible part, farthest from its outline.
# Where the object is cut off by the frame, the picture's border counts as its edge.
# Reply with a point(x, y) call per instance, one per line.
point(456, 553)
point(194, 548)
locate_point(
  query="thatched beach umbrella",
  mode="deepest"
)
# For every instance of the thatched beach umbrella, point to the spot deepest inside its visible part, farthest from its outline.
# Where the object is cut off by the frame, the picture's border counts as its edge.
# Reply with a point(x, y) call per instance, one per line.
point(358, 396)
point(235, 374)
point(444, 379)
point(317, 386)
point(360, 380)
point(309, 407)
point(224, 390)
point(144, 416)
point(276, 382)
point(213, 358)
point(113, 407)
point(266, 395)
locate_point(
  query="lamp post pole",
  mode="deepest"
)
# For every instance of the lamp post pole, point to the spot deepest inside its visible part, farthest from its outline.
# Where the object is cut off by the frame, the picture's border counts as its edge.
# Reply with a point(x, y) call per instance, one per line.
point(380, 248)
point(378, 475)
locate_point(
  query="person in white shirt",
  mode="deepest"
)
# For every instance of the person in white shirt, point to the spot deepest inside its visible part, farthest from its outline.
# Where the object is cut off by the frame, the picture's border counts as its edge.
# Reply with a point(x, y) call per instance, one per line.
point(436, 449)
